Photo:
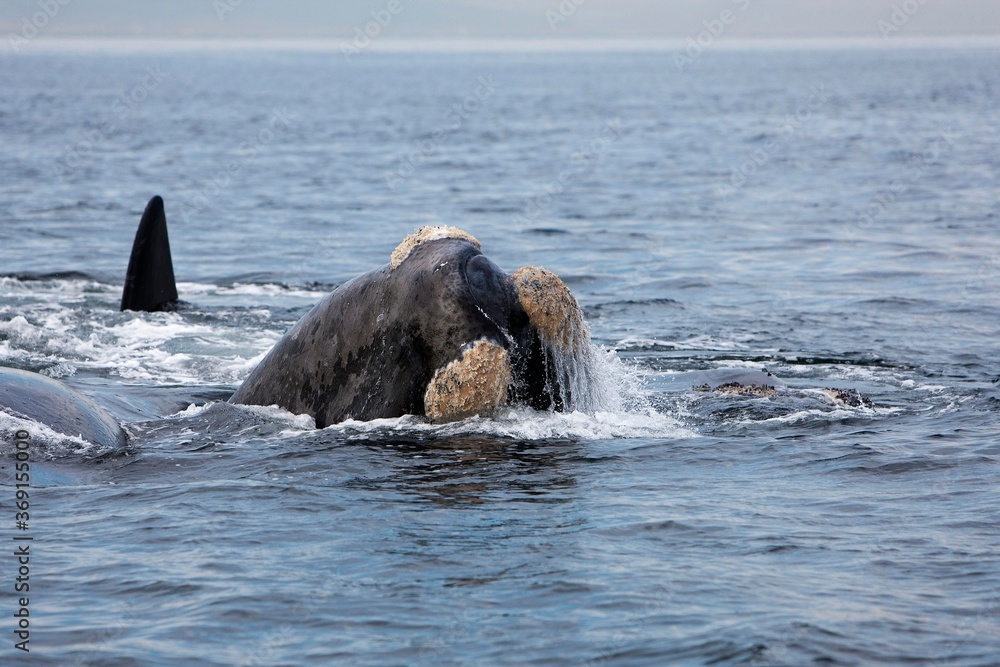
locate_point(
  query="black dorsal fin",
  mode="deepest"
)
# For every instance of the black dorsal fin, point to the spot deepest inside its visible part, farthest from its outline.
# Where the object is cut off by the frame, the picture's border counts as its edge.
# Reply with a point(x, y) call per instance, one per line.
point(149, 283)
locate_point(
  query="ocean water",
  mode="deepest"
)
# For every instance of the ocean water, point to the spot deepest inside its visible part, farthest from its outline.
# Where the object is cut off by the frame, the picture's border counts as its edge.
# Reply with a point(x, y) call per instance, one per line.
point(829, 214)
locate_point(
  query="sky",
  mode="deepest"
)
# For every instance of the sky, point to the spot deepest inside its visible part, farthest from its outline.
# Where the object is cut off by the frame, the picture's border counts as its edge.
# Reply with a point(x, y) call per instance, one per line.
point(498, 19)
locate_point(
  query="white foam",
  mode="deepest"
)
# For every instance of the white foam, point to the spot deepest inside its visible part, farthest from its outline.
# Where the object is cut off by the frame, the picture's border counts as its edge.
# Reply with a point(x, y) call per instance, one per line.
point(163, 348)
point(192, 410)
point(19, 329)
point(912, 384)
point(527, 424)
point(249, 289)
point(298, 422)
point(818, 415)
point(53, 443)
point(533, 425)
point(135, 349)
point(702, 343)
point(65, 289)
point(741, 364)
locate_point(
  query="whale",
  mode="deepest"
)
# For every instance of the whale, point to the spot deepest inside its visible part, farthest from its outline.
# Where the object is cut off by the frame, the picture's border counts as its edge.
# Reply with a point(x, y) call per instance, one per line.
point(43, 400)
point(755, 383)
point(440, 331)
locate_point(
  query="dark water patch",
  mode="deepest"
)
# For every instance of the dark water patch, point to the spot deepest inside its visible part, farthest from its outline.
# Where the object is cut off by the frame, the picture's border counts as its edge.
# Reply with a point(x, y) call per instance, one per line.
point(776, 548)
point(709, 652)
point(905, 467)
point(272, 279)
point(33, 276)
point(546, 231)
point(849, 458)
point(158, 589)
point(851, 358)
point(84, 205)
point(668, 526)
point(899, 303)
point(924, 256)
point(658, 301)
point(624, 214)
point(499, 208)
point(727, 411)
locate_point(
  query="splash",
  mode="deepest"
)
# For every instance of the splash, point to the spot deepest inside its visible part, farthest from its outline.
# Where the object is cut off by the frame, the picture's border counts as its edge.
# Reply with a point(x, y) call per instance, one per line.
point(587, 379)
point(519, 423)
point(579, 376)
point(45, 327)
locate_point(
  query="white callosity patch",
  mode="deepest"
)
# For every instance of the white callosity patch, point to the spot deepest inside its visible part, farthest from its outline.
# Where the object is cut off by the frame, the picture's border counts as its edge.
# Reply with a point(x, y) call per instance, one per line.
point(850, 398)
point(425, 234)
point(552, 309)
point(475, 384)
point(737, 389)
point(581, 373)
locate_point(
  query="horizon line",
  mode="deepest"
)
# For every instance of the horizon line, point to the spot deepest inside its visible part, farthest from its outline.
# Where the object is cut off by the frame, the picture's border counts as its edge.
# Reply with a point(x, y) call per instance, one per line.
point(526, 45)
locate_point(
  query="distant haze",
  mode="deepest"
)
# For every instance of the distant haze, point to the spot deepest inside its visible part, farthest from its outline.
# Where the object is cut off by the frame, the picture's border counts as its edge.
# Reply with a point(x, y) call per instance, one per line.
point(519, 19)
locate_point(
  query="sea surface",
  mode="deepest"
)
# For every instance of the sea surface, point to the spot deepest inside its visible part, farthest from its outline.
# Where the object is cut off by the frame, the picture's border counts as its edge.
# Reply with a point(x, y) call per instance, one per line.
point(830, 214)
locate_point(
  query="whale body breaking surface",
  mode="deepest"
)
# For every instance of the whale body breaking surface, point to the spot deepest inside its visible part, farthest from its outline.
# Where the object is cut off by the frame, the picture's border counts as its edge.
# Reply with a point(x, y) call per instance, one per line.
point(440, 332)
